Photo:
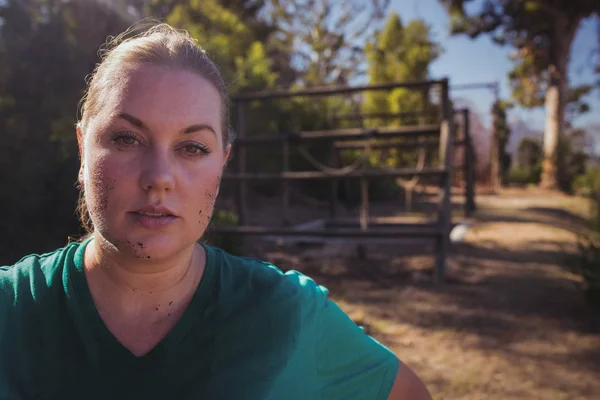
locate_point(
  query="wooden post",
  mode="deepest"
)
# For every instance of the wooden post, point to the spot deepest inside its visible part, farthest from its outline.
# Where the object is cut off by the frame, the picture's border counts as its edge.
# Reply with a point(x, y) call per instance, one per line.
point(334, 182)
point(445, 211)
point(495, 169)
point(469, 166)
point(242, 186)
point(286, 183)
point(364, 204)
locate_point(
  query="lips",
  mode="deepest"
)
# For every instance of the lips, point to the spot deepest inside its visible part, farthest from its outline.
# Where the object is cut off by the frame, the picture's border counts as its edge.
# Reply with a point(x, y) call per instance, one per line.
point(155, 211)
point(152, 217)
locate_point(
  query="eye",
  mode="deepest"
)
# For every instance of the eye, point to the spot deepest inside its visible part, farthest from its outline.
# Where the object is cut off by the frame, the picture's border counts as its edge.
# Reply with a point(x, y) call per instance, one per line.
point(125, 139)
point(195, 149)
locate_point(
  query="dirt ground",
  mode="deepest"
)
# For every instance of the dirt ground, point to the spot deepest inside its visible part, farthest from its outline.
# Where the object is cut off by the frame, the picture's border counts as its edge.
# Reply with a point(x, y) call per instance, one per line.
point(510, 323)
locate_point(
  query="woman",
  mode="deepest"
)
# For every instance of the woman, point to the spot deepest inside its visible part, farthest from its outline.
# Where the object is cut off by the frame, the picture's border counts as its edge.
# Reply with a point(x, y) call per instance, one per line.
point(140, 309)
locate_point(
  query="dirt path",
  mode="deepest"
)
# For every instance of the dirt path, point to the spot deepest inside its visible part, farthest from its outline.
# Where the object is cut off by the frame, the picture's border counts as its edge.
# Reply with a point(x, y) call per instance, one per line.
point(511, 322)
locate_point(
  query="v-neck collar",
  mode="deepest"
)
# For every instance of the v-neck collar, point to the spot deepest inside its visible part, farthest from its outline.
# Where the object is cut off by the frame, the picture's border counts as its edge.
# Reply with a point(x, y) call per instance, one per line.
point(107, 346)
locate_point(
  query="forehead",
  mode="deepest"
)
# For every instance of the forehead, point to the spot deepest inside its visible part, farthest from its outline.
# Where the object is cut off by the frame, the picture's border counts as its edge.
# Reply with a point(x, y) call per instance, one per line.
point(163, 97)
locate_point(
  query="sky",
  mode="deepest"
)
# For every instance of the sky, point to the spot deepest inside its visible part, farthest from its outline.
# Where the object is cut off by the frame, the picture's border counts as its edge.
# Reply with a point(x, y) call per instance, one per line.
point(471, 61)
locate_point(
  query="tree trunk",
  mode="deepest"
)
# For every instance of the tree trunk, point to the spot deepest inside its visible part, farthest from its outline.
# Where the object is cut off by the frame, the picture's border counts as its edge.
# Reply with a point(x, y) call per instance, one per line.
point(556, 100)
point(495, 181)
point(552, 134)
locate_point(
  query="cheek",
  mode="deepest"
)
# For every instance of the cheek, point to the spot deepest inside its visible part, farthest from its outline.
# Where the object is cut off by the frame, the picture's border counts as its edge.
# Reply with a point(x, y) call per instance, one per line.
point(101, 179)
point(208, 195)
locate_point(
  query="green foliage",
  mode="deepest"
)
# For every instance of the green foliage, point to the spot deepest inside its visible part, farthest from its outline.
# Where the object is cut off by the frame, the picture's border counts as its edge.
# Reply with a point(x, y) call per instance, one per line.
point(229, 40)
point(587, 264)
point(573, 160)
point(501, 135)
point(525, 176)
point(542, 33)
point(399, 53)
point(232, 243)
point(529, 153)
point(528, 166)
point(46, 50)
point(323, 40)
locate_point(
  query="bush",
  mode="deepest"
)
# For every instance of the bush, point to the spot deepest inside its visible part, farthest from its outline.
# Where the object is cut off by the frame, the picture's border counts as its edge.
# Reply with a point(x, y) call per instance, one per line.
point(587, 265)
point(524, 176)
point(230, 242)
point(588, 184)
point(587, 261)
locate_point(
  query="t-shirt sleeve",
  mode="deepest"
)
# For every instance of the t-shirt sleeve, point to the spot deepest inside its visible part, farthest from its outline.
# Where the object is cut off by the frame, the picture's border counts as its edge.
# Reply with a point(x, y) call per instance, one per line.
point(350, 363)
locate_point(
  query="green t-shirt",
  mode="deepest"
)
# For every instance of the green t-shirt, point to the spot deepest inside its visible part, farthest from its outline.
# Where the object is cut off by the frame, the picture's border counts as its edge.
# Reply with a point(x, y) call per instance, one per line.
point(249, 332)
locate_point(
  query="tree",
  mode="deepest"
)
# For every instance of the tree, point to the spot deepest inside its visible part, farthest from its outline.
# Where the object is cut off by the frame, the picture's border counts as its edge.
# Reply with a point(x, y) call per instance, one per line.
point(529, 153)
point(46, 50)
point(500, 160)
point(399, 53)
point(542, 32)
point(229, 40)
point(324, 38)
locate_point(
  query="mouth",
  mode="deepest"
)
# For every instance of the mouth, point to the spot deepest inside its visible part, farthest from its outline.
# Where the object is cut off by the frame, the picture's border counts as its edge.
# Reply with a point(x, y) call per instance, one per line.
point(155, 211)
point(150, 214)
point(152, 217)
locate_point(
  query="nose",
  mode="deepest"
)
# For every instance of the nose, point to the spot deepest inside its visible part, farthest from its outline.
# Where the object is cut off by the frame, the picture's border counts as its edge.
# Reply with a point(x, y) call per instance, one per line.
point(157, 174)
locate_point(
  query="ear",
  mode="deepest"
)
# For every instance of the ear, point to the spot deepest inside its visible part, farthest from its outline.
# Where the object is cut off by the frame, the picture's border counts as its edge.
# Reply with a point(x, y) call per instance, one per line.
point(227, 154)
point(79, 133)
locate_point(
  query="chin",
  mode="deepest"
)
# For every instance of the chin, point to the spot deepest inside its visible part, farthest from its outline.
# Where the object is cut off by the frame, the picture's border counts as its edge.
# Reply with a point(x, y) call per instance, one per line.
point(148, 245)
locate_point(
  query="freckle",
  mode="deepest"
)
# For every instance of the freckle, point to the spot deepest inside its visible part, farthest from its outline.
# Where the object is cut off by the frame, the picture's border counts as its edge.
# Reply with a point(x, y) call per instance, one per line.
point(141, 244)
point(156, 308)
point(150, 292)
point(169, 314)
point(200, 212)
point(134, 289)
point(148, 256)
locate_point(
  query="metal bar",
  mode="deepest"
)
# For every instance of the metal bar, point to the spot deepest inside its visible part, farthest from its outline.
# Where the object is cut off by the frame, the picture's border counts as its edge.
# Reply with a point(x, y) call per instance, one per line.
point(344, 134)
point(298, 175)
point(419, 231)
point(331, 90)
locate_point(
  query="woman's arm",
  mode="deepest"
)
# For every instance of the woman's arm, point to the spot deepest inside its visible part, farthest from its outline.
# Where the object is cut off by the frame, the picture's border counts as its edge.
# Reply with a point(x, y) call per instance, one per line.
point(408, 386)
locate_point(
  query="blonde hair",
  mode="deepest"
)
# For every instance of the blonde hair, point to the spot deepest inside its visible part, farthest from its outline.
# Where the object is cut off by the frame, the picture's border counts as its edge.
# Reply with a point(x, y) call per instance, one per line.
point(161, 45)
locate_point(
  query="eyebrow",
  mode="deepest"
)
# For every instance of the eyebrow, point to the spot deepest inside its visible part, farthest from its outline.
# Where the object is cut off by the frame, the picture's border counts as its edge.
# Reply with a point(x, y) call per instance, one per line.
point(190, 129)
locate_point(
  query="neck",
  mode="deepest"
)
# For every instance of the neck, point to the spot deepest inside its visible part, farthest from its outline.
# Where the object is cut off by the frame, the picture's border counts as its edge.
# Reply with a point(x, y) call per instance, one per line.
point(127, 285)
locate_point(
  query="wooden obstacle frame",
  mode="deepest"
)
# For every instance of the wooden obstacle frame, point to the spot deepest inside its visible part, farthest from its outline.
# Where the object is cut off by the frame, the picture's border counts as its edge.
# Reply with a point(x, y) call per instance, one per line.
point(442, 136)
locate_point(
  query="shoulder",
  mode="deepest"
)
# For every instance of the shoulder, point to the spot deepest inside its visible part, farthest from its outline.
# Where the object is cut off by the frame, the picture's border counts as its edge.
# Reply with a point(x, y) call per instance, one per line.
point(31, 275)
point(259, 279)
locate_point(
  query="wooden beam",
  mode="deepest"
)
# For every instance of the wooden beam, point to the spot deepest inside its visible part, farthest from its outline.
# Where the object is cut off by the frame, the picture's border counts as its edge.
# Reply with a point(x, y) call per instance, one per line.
point(331, 90)
point(343, 134)
point(417, 231)
point(301, 175)
point(401, 145)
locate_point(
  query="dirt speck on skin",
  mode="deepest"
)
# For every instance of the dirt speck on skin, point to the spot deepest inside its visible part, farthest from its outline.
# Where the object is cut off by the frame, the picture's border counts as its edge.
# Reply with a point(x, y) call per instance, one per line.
point(170, 302)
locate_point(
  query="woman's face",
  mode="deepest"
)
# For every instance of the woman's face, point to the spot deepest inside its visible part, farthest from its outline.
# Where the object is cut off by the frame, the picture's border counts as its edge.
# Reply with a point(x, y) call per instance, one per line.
point(152, 161)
